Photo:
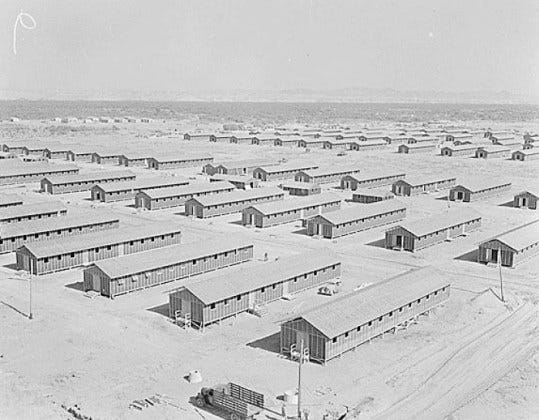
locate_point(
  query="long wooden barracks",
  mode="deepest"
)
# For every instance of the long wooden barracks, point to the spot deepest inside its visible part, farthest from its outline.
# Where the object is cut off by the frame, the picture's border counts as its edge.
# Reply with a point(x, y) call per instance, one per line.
point(126, 190)
point(478, 189)
point(237, 167)
point(416, 148)
point(224, 295)
point(422, 184)
point(180, 161)
point(14, 235)
point(512, 247)
point(32, 172)
point(353, 182)
point(342, 324)
point(64, 253)
point(230, 202)
point(285, 171)
point(161, 198)
point(285, 211)
point(128, 273)
point(356, 218)
point(325, 175)
point(82, 182)
point(413, 236)
point(33, 211)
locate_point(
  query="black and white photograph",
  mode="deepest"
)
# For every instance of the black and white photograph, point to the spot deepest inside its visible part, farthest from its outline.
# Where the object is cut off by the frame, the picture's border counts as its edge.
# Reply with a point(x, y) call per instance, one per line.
point(269, 210)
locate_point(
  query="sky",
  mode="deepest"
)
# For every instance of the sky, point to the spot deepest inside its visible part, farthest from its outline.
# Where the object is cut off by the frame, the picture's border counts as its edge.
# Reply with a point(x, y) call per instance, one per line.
point(139, 46)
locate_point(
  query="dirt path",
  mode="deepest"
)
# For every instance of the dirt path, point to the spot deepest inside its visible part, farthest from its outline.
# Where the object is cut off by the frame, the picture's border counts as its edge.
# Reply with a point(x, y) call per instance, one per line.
point(480, 361)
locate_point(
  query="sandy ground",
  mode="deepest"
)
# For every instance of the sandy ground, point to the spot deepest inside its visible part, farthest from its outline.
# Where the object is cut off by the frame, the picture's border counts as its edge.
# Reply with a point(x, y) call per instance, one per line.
point(472, 358)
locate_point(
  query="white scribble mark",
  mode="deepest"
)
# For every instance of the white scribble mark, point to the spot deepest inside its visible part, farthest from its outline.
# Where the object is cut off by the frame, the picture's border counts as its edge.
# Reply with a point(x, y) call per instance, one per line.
point(30, 24)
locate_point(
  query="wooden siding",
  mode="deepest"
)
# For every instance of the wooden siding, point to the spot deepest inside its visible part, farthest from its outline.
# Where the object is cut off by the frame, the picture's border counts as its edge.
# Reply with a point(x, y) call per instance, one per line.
point(78, 186)
point(468, 196)
point(525, 199)
point(490, 251)
point(193, 208)
point(33, 177)
point(180, 163)
point(252, 217)
point(180, 270)
point(351, 183)
point(405, 189)
point(322, 349)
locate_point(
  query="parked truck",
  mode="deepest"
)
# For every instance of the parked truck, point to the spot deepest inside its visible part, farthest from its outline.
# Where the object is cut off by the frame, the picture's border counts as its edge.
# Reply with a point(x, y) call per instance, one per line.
point(239, 402)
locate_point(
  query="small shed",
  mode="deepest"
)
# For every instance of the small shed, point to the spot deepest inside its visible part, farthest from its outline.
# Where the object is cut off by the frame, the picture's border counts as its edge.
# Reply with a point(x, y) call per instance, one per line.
point(224, 295)
point(478, 189)
point(355, 219)
point(343, 323)
point(526, 199)
point(301, 188)
point(416, 235)
point(415, 185)
point(512, 247)
point(290, 210)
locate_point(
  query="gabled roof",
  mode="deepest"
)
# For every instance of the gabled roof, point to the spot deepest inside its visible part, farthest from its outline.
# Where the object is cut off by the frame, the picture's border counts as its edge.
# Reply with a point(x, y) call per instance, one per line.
point(419, 180)
point(236, 196)
point(520, 237)
point(88, 177)
point(154, 259)
point(528, 152)
point(334, 170)
point(529, 191)
point(33, 168)
point(195, 188)
point(299, 185)
point(347, 312)
point(52, 224)
point(25, 210)
point(361, 211)
point(366, 143)
point(85, 241)
point(288, 167)
point(10, 199)
point(142, 184)
point(374, 175)
point(374, 192)
point(247, 163)
point(220, 286)
point(178, 157)
point(479, 184)
point(281, 206)
point(495, 148)
point(440, 221)
point(417, 145)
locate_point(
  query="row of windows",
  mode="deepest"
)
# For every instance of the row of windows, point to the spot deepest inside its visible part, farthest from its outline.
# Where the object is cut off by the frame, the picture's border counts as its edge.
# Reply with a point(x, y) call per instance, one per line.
point(390, 314)
point(235, 203)
point(378, 216)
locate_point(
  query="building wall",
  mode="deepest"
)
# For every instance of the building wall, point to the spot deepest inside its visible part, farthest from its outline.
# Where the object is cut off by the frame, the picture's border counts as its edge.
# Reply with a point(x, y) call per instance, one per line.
point(188, 163)
point(85, 256)
point(527, 200)
point(193, 208)
point(368, 199)
point(49, 187)
point(253, 217)
point(303, 191)
point(348, 182)
point(363, 147)
point(269, 293)
point(84, 157)
point(38, 216)
point(143, 200)
point(274, 176)
point(180, 270)
point(333, 231)
point(490, 155)
point(412, 243)
point(336, 346)
point(489, 253)
point(479, 195)
point(404, 189)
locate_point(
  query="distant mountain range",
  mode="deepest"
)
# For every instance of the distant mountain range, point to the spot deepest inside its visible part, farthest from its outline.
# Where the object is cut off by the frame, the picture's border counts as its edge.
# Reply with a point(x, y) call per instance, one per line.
point(352, 94)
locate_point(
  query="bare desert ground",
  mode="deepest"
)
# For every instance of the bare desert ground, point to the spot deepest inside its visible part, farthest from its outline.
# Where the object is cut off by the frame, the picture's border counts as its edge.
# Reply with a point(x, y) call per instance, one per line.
point(474, 357)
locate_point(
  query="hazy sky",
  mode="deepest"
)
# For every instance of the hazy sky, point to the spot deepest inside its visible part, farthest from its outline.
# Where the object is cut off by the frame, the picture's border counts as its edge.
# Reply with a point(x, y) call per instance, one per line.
point(145, 46)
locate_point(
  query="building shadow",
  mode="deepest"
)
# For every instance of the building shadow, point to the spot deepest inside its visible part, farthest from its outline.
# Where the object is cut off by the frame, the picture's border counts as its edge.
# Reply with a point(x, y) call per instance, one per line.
point(469, 256)
point(301, 231)
point(508, 204)
point(271, 343)
point(238, 223)
point(78, 285)
point(160, 309)
point(443, 197)
point(12, 266)
point(380, 243)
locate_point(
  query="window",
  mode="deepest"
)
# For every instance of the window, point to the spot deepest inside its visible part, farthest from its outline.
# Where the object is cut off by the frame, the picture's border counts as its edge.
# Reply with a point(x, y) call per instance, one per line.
point(380, 319)
point(359, 329)
point(46, 260)
point(212, 306)
point(238, 297)
point(391, 313)
point(334, 339)
point(226, 302)
point(346, 335)
point(370, 323)
point(72, 255)
point(262, 290)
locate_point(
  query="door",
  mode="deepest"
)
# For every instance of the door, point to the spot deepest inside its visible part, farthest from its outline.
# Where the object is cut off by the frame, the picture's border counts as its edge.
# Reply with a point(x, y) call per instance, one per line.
point(494, 255)
point(460, 195)
point(398, 241)
point(523, 202)
point(285, 288)
point(96, 282)
point(251, 299)
point(302, 336)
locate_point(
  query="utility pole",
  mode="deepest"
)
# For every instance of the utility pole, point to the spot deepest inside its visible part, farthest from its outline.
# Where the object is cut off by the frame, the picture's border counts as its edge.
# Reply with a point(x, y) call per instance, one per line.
point(30, 315)
point(500, 271)
point(299, 378)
